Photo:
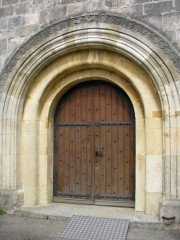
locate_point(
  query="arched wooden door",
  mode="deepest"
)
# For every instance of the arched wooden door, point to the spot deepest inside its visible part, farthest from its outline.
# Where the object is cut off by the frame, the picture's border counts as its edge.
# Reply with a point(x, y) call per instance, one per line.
point(94, 158)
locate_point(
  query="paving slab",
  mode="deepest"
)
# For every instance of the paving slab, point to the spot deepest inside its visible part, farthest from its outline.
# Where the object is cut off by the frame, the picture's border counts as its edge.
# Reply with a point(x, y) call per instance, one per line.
point(14, 227)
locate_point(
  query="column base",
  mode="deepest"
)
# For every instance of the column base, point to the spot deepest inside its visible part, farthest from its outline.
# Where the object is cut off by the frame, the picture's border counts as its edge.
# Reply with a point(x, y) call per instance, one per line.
point(11, 199)
point(170, 213)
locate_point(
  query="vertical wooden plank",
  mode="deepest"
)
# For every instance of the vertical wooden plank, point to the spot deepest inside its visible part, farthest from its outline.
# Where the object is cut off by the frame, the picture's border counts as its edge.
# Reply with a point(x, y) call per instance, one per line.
point(60, 153)
point(120, 147)
point(102, 142)
point(66, 147)
point(90, 141)
point(97, 132)
point(83, 140)
point(72, 143)
point(108, 137)
point(78, 142)
point(114, 142)
point(127, 155)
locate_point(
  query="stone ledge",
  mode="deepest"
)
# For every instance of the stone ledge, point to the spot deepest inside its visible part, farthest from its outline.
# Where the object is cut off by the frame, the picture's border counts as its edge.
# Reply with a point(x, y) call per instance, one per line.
point(62, 211)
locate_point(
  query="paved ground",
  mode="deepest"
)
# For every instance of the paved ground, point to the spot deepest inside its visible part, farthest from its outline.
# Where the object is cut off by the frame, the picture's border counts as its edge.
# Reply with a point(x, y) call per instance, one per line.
point(25, 228)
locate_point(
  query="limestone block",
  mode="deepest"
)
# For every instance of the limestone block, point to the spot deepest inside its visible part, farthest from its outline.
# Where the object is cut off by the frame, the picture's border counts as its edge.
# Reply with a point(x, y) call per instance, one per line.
point(10, 199)
point(154, 174)
point(77, 8)
point(3, 46)
point(44, 125)
point(140, 141)
point(154, 122)
point(57, 13)
point(140, 183)
point(14, 22)
point(14, 43)
point(131, 11)
point(155, 20)
point(3, 23)
point(96, 5)
point(30, 19)
point(30, 195)
point(170, 208)
point(9, 2)
point(171, 21)
point(43, 149)
point(177, 5)
point(159, 7)
point(153, 203)
point(171, 35)
point(178, 175)
point(154, 143)
point(22, 8)
point(43, 17)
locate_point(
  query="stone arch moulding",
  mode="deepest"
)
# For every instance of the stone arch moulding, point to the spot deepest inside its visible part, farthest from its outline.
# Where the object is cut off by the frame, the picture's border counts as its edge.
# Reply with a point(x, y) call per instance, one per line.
point(123, 50)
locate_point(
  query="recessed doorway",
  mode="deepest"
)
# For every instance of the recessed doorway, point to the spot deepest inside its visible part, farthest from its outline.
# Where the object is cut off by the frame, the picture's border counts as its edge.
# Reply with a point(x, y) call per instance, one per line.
point(94, 146)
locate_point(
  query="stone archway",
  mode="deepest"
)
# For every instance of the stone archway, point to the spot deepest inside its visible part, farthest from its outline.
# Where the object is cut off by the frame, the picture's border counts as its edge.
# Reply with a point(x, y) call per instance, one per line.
point(95, 46)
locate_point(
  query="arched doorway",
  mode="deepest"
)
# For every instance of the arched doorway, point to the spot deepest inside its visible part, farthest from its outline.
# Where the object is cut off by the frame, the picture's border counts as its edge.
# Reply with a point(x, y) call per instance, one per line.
point(99, 46)
point(94, 152)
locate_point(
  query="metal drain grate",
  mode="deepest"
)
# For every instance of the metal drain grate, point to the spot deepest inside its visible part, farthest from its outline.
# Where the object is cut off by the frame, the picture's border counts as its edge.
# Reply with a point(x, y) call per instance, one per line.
point(94, 228)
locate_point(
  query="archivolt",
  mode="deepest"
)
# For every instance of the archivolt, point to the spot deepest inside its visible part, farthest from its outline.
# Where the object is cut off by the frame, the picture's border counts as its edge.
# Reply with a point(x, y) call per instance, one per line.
point(127, 37)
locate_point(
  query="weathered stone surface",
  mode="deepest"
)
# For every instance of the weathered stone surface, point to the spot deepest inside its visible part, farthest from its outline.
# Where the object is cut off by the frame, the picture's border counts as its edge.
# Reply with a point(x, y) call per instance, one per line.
point(3, 46)
point(77, 8)
point(21, 8)
point(43, 17)
point(6, 202)
point(9, 2)
point(171, 35)
point(170, 208)
point(24, 31)
point(171, 21)
point(3, 23)
point(57, 13)
point(10, 199)
point(154, 21)
point(131, 11)
point(30, 19)
point(96, 5)
point(141, 1)
point(177, 5)
point(70, 1)
point(178, 38)
point(160, 7)
point(14, 43)
point(6, 11)
point(111, 4)
point(14, 22)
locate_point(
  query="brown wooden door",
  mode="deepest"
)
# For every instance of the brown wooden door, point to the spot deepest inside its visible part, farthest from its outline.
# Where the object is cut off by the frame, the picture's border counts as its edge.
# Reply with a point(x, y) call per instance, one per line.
point(94, 154)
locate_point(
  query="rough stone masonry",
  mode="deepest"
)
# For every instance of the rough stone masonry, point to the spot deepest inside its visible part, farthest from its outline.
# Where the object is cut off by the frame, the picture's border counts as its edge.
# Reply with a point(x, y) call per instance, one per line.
point(20, 19)
point(133, 44)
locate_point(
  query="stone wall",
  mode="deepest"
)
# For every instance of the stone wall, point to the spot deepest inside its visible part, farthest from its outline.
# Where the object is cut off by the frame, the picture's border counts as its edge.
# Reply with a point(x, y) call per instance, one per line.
point(20, 19)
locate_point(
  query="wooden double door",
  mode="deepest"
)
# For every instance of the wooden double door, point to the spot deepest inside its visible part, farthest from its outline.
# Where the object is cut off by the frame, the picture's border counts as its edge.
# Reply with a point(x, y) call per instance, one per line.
point(94, 148)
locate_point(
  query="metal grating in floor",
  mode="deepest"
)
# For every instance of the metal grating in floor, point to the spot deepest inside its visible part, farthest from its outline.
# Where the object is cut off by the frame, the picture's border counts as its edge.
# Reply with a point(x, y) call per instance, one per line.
point(95, 228)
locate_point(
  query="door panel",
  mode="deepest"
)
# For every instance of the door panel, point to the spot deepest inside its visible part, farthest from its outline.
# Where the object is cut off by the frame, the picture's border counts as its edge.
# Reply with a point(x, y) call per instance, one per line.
point(93, 151)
